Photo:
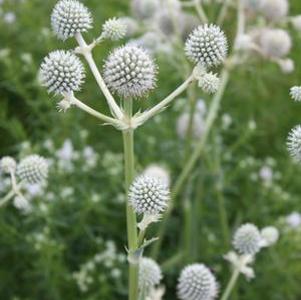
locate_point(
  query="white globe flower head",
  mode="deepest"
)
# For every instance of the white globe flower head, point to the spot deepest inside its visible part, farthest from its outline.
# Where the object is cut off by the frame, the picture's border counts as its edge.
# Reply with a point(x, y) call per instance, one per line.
point(270, 236)
point(130, 72)
point(145, 9)
point(294, 143)
point(296, 22)
point(274, 10)
point(33, 169)
point(150, 274)
point(70, 17)
point(286, 65)
point(275, 43)
point(7, 164)
point(148, 195)
point(62, 72)
point(247, 239)
point(114, 29)
point(198, 125)
point(209, 83)
point(197, 282)
point(207, 45)
point(159, 172)
point(295, 93)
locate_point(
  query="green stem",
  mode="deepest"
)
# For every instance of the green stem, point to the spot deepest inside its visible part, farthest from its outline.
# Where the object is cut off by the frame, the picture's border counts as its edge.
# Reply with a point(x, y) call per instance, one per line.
point(223, 217)
point(128, 140)
point(231, 284)
point(200, 11)
point(5, 199)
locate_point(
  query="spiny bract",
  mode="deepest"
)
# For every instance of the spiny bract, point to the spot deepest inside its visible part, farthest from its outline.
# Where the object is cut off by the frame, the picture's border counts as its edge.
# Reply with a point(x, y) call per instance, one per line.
point(196, 282)
point(209, 83)
point(149, 274)
point(207, 46)
point(62, 72)
point(130, 72)
point(70, 17)
point(148, 195)
point(114, 29)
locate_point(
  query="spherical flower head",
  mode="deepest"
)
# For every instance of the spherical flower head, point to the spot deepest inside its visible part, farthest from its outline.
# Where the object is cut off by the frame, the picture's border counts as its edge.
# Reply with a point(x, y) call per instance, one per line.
point(275, 43)
point(148, 195)
point(70, 17)
point(7, 164)
point(207, 45)
point(294, 143)
point(274, 10)
point(196, 282)
point(198, 125)
point(295, 93)
point(247, 239)
point(114, 29)
point(270, 235)
point(145, 9)
point(62, 72)
point(158, 172)
point(286, 65)
point(150, 274)
point(130, 72)
point(209, 83)
point(33, 169)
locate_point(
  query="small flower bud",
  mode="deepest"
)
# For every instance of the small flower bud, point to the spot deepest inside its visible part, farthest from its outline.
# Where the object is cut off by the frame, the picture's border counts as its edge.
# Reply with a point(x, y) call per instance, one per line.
point(294, 143)
point(270, 236)
point(150, 274)
point(7, 164)
point(209, 83)
point(114, 29)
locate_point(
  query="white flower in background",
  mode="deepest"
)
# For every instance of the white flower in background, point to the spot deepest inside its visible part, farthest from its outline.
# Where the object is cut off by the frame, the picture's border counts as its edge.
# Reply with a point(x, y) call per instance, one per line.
point(144, 9)
point(197, 282)
point(253, 5)
point(270, 236)
point(158, 172)
point(201, 107)
point(156, 293)
point(70, 17)
point(7, 165)
point(198, 125)
point(286, 65)
point(207, 45)
point(295, 93)
point(114, 29)
point(67, 151)
point(294, 219)
point(150, 274)
point(226, 121)
point(243, 42)
point(130, 72)
point(90, 157)
point(274, 10)
point(62, 72)
point(247, 239)
point(132, 26)
point(296, 22)
point(209, 83)
point(22, 204)
point(266, 174)
point(34, 190)
point(294, 143)
point(9, 17)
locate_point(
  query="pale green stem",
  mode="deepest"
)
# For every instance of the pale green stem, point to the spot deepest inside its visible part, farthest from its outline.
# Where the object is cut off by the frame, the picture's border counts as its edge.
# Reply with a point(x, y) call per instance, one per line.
point(223, 12)
point(128, 140)
point(231, 284)
point(199, 9)
point(6, 198)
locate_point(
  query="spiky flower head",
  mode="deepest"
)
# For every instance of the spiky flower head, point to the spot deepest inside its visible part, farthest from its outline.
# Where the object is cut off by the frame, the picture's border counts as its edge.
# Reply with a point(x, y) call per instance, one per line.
point(209, 83)
point(114, 29)
point(144, 9)
point(295, 93)
point(33, 169)
point(294, 143)
point(274, 10)
point(275, 43)
point(70, 17)
point(148, 195)
point(270, 235)
point(197, 282)
point(7, 164)
point(247, 239)
point(149, 274)
point(130, 72)
point(62, 72)
point(207, 46)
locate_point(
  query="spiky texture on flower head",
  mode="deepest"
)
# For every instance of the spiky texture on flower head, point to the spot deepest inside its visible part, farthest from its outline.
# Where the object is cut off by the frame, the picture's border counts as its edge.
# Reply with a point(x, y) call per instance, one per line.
point(295, 93)
point(144, 9)
point(70, 17)
point(209, 83)
point(270, 235)
point(149, 274)
point(7, 164)
point(148, 195)
point(247, 239)
point(294, 143)
point(207, 45)
point(114, 29)
point(130, 72)
point(196, 282)
point(274, 10)
point(275, 43)
point(158, 172)
point(33, 169)
point(62, 72)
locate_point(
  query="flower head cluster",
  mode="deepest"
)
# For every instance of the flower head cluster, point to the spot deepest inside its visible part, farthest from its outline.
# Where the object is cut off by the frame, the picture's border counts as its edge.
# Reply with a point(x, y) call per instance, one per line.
point(209, 83)
point(295, 93)
point(7, 164)
point(130, 72)
point(294, 143)
point(148, 195)
point(247, 239)
point(150, 274)
point(70, 17)
point(207, 46)
point(114, 29)
point(33, 169)
point(196, 282)
point(274, 10)
point(62, 72)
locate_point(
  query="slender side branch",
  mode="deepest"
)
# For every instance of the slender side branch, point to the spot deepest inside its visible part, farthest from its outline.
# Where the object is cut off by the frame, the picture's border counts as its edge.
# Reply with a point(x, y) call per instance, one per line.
point(223, 12)
point(6, 198)
point(199, 9)
point(231, 284)
point(85, 50)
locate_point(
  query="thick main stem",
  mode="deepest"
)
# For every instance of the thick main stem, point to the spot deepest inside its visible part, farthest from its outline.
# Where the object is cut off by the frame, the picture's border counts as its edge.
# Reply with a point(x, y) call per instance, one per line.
point(128, 141)
point(231, 284)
